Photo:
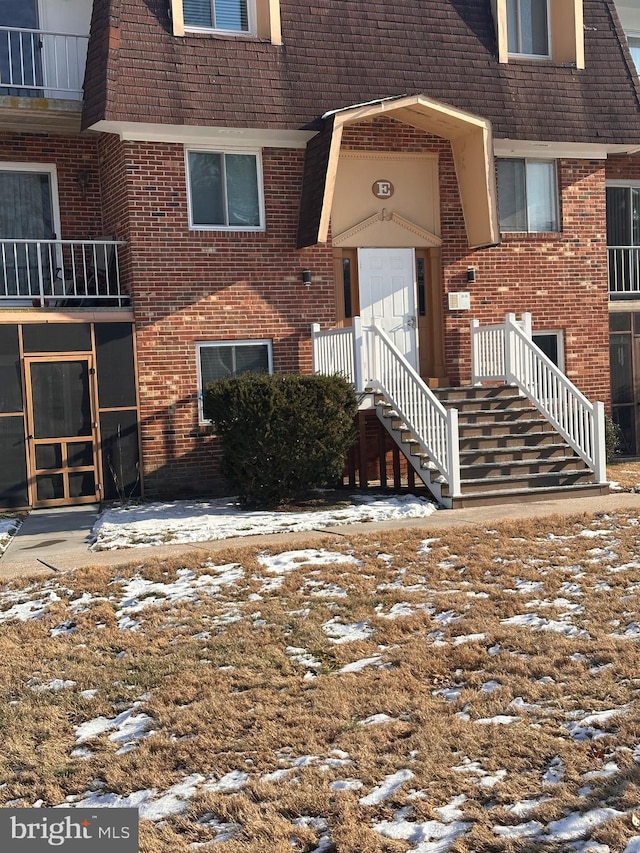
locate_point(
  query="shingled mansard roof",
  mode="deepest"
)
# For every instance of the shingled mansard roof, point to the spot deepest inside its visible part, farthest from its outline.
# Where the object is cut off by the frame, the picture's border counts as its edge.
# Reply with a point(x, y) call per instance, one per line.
point(338, 53)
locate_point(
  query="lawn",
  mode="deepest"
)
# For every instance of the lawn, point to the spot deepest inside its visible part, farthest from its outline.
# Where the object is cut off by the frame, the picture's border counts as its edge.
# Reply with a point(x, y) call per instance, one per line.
point(473, 691)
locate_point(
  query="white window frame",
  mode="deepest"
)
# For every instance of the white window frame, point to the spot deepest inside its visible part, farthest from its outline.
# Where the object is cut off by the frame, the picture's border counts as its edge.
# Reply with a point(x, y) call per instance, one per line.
point(558, 334)
point(635, 35)
point(557, 198)
point(251, 21)
point(200, 345)
point(255, 152)
point(546, 55)
point(41, 168)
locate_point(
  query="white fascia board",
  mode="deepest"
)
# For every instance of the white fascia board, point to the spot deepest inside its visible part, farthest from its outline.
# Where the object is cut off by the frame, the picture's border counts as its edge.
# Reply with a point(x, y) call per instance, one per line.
point(565, 150)
point(250, 137)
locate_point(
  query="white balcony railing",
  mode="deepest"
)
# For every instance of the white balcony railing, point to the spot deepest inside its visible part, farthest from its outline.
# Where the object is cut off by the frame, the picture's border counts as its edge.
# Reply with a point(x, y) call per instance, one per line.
point(42, 64)
point(624, 271)
point(368, 358)
point(61, 273)
point(506, 353)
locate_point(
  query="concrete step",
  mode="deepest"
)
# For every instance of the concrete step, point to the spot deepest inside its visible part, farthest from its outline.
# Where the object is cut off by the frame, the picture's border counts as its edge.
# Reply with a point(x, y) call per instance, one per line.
point(507, 496)
point(515, 453)
point(499, 416)
point(526, 482)
point(452, 396)
point(530, 440)
point(522, 468)
point(506, 429)
point(489, 404)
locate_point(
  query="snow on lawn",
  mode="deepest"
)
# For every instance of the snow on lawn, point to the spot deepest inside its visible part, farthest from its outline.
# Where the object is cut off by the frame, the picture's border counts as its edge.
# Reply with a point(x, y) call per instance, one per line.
point(178, 522)
point(569, 786)
point(8, 527)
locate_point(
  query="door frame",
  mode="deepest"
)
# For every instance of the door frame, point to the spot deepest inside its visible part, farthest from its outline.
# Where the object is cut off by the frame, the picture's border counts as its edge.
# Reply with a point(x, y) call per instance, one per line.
point(428, 301)
point(32, 469)
point(43, 168)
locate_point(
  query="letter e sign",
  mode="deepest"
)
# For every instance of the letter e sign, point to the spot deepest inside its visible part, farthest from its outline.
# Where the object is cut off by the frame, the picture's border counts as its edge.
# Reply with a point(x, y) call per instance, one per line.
point(382, 189)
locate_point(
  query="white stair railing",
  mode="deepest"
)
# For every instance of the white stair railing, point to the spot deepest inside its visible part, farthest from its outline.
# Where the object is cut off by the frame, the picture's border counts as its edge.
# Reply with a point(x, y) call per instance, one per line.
point(507, 353)
point(333, 352)
point(370, 360)
point(488, 349)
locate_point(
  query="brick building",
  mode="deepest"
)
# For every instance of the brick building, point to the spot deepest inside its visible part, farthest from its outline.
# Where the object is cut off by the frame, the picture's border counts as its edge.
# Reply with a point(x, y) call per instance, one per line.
point(234, 171)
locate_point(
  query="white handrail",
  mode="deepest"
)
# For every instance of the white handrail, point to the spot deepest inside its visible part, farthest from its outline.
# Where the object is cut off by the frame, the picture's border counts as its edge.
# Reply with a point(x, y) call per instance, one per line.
point(432, 426)
point(41, 60)
point(333, 352)
point(488, 348)
point(68, 271)
point(370, 360)
point(507, 353)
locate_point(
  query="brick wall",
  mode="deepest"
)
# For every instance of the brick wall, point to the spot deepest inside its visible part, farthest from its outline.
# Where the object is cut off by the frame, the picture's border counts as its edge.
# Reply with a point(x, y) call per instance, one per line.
point(80, 211)
point(191, 286)
point(560, 278)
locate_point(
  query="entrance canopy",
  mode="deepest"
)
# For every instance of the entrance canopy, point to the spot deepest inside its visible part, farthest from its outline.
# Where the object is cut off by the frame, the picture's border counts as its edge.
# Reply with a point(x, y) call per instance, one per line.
point(471, 143)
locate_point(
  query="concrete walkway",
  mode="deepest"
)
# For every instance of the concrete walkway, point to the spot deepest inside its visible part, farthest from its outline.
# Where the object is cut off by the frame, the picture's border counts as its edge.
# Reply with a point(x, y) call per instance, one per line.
point(53, 540)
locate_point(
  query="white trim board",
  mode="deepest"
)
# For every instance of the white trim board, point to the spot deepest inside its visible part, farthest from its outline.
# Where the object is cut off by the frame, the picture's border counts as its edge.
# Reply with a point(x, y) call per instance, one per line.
point(221, 137)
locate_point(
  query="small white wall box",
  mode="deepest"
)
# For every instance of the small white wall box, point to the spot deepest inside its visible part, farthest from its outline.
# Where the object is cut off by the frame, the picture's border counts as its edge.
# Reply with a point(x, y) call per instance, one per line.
point(460, 301)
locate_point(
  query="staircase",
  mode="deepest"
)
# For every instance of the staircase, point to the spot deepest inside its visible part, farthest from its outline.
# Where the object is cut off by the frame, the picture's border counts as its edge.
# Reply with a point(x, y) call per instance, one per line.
point(508, 450)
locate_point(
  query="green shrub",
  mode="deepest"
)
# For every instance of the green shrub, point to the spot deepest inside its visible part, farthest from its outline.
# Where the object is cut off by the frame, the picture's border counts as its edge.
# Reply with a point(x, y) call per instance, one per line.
point(612, 439)
point(283, 435)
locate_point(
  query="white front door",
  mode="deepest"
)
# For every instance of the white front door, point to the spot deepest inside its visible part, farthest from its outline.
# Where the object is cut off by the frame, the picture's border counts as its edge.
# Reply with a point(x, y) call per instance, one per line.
point(387, 280)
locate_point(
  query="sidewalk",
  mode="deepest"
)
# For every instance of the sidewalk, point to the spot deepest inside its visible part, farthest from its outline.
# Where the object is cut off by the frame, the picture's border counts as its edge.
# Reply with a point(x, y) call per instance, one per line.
point(52, 540)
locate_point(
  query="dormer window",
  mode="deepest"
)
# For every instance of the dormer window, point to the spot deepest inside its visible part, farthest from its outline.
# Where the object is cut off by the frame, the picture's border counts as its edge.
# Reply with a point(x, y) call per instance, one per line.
point(528, 27)
point(551, 30)
point(249, 18)
point(634, 48)
point(232, 16)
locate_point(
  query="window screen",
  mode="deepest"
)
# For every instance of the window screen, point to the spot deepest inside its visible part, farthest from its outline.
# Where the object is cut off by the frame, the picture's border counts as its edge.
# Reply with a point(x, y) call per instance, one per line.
point(229, 15)
point(219, 361)
point(527, 27)
point(528, 195)
point(224, 190)
point(224, 360)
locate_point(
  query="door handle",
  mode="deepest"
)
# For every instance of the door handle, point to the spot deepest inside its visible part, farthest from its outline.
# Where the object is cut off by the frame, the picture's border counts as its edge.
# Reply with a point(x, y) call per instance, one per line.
point(411, 322)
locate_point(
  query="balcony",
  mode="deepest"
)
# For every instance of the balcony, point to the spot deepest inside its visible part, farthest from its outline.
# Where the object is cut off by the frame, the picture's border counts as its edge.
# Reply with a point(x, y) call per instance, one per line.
point(63, 274)
point(624, 272)
point(41, 79)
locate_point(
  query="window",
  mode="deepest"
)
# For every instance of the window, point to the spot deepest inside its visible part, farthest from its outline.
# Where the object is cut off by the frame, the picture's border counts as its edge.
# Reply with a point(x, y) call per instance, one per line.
point(221, 359)
point(634, 48)
point(527, 195)
point(551, 345)
point(225, 191)
point(528, 27)
point(623, 241)
point(229, 16)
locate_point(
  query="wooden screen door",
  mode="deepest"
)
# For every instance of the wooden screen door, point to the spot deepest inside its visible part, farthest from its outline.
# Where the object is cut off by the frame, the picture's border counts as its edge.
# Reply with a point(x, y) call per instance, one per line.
point(62, 430)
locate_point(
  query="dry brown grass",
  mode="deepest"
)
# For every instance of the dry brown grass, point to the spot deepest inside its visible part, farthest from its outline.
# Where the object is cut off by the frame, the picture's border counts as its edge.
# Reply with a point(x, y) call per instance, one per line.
point(626, 473)
point(225, 692)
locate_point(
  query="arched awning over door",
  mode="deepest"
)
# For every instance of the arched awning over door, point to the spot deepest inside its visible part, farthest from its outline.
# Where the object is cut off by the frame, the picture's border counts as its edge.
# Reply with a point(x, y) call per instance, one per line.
point(471, 143)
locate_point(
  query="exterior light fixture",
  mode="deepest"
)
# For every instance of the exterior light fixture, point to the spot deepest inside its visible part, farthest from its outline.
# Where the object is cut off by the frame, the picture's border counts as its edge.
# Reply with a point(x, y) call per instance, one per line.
point(306, 277)
point(82, 179)
point(471, 274)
